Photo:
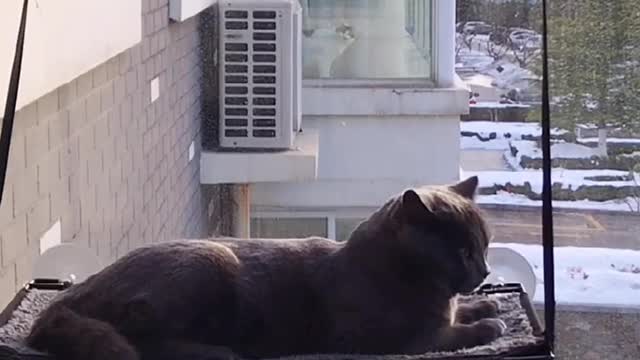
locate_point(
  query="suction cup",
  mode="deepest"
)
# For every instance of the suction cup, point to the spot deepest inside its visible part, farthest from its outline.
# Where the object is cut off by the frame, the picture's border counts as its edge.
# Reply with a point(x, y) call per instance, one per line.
point(508, 266)
point(67, 262)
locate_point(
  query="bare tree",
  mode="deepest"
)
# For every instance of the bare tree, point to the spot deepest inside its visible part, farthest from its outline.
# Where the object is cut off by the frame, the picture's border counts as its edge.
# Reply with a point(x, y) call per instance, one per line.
point(496, 52)
point(633, 201)
point(467, 39)
point(525, 53)
point(459, 45)
point(463, 36)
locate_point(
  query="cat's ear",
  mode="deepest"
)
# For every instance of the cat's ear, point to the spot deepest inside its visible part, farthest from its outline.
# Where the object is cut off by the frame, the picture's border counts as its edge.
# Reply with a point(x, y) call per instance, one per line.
point(412, 206)
point(466, 188)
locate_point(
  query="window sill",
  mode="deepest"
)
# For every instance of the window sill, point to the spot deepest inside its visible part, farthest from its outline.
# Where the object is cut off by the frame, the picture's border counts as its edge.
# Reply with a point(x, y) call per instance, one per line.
point(383, 97)
point(298, 164)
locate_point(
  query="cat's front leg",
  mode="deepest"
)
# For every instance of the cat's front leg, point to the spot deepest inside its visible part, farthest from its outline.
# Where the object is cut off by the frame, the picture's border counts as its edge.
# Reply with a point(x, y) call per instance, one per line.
point(457, 336)
point(460, 336)
point(477, 310)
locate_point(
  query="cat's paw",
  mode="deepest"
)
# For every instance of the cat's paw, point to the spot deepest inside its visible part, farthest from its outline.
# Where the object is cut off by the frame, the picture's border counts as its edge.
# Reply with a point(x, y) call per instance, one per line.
point(487, 330)
point(486, 308)
point(481, 309)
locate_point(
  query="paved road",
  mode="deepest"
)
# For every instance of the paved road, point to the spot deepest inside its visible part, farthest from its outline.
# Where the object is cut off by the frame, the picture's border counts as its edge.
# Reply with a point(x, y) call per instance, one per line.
point(571, 227)
point(483, 160)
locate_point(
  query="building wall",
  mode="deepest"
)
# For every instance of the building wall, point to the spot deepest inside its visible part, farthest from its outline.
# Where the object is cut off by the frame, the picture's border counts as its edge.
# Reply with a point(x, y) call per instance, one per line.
point(378, 138)
point(72, 36)
point(362, 161)
point(109, 164)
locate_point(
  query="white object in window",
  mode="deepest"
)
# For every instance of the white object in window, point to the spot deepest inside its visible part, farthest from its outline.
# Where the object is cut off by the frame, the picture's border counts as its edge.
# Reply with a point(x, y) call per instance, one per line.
point(372, 39)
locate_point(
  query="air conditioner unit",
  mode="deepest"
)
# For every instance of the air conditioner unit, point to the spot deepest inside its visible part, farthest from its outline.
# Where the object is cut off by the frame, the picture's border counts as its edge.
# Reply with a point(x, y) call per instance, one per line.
point(260, 73)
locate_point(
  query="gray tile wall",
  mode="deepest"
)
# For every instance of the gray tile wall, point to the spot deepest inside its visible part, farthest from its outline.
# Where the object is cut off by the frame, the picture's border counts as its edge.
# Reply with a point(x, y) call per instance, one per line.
point(97, 154)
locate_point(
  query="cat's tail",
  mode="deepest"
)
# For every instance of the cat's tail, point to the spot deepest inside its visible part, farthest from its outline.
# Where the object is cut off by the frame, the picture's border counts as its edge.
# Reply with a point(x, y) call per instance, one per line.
point(68, 335)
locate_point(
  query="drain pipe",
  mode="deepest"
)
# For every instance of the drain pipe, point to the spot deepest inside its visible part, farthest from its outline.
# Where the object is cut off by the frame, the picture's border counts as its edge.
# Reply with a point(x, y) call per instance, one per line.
point(242, 211)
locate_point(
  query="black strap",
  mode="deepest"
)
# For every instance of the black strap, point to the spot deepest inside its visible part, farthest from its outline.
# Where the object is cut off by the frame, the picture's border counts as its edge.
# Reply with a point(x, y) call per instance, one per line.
point(12, 98)
point(547, 203)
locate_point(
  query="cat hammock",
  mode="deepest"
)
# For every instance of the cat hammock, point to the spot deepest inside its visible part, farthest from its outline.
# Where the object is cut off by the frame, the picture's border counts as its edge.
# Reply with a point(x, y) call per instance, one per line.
point(525, 338)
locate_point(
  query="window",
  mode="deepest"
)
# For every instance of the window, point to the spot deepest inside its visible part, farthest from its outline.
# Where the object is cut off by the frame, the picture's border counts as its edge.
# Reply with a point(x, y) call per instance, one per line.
point(595, 132)
point(344, 227)
point(367, 39)
point(283, 227)
point(335, 224)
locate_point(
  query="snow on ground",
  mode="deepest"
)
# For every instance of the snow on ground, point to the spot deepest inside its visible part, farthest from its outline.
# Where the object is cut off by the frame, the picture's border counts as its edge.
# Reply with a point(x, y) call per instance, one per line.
point(497, 105)
point(474, 58)
point(568, 178)
point(473, 143)
point(611, 140)
point(512, 75)
point(633, 154)
point(506, 198)
point(504, 133)
point(559, 150)
point(571, 151)
point(525, 147)
point(515, 129)
point(587, 276)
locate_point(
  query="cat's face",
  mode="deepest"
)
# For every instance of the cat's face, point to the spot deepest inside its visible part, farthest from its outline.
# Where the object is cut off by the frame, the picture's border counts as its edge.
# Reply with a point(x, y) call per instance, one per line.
point(446, 231)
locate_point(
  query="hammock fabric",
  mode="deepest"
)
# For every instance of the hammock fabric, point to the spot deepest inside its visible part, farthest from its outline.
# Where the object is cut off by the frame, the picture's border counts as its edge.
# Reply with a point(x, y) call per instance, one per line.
point(522, 336)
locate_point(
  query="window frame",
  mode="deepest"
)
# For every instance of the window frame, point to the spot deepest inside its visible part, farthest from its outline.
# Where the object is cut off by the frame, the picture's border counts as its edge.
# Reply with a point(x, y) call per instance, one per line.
point(329, 214)
point(409, 82)
point(441, 94)
point(257, 215)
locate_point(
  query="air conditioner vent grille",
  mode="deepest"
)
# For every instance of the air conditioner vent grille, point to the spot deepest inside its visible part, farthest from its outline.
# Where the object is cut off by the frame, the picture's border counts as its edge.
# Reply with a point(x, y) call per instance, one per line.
point(236, 25)
point(236, 58)
point(264, 58)
point(264, 36)
point(236, 69)
point(264, 25)
point(236, 90)
point(236, 14)
point(260, 90)
point(236, 101)
point(264, 14)
point(258, 50)
point(236, 133)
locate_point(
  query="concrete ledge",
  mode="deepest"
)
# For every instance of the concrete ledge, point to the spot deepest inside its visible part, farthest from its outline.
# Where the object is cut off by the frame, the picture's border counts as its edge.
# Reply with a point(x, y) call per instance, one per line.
point(378, 100)
point(298, 164)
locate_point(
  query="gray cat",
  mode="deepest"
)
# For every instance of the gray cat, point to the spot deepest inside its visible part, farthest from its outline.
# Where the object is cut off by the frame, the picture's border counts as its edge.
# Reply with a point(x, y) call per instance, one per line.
point(389, 289)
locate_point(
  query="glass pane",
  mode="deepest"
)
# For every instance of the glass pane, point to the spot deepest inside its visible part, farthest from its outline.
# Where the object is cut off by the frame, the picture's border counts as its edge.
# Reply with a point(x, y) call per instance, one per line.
point(344, 227)
point(288, 227)
point(595, 81)
point(367, 39)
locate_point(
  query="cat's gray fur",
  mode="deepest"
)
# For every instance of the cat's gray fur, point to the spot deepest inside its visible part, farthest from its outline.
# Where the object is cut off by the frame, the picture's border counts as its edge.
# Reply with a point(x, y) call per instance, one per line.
point(390, 288)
